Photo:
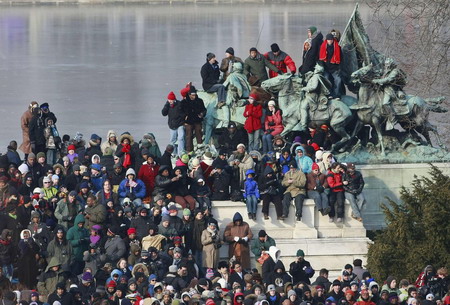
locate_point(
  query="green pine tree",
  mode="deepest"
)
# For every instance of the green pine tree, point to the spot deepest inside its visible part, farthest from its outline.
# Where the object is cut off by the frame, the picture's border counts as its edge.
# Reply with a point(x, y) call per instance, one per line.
point(417, 232)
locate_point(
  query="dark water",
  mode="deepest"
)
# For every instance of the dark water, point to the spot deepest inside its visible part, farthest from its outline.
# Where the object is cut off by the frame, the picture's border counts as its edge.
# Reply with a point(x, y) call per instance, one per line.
point(111, 67)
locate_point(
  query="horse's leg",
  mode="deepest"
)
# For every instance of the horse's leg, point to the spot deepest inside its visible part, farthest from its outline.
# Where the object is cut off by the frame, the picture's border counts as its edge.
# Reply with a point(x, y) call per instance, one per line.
point(340, 130)
point(377, 124)
point(290, 122)
point(357, 128)
point(430, 127)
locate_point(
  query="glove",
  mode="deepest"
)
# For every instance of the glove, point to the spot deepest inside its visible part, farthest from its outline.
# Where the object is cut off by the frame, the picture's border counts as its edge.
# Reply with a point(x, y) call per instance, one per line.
point(65, 218)
point(245, 238)
point(236, 239)
point(280, 72)
point(320, 189)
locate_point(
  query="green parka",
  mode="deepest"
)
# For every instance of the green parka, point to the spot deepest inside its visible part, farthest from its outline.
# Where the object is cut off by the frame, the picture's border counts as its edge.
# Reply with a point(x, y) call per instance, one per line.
point(78, 238)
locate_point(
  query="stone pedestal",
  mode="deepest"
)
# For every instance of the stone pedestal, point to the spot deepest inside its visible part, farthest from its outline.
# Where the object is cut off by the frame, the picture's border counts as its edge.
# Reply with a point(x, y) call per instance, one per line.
point(326, 245)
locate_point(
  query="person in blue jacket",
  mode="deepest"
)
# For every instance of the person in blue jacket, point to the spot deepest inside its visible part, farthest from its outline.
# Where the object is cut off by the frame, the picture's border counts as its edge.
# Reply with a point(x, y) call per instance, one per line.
point(251, 193)
point(303, 161)
point(131, 188)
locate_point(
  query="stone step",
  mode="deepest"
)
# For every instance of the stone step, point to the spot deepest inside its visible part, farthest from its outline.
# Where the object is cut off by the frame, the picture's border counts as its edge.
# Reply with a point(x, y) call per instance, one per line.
point(313, 224)
point(326, 245)
point(331, 254)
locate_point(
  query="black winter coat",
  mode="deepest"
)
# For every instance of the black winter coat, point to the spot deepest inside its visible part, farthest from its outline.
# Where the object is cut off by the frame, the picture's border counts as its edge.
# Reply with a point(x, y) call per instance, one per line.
point(175, 281)
point(311, 56)
point(163, 185)
point(65, 298)
point(166, 159)
point(108, 163)
point(355, 183)
point(72, 181)
point(175, 114)
point(269, 185)
point(142, 225)
point(94, 150)
point(267, 269)
point(36, 130)
point(194, 109)
point(181, 187)
point(301, 272)
point(210, 75)
point(279, 279)
point(134, 153)
point(220, 186)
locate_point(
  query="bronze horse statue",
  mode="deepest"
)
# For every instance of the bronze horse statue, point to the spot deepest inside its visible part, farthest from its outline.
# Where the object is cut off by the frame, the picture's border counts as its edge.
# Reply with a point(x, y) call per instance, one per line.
point(370, 109)
point(293, 104)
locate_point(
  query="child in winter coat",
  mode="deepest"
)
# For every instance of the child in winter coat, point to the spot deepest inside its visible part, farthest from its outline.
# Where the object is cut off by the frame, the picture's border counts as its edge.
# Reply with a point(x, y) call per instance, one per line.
point(253, 114)
point(71, 154)
point(273, 123)
point(52, 141)
point(334, 180)
point(251, 194)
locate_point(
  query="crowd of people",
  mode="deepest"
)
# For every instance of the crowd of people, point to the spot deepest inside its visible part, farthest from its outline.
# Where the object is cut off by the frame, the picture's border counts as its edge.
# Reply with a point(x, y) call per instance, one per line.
point(117, 221)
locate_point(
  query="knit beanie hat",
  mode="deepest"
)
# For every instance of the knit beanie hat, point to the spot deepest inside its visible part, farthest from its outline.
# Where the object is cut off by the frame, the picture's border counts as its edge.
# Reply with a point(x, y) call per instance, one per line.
point(300, 253)
point(230, 50)
point(254, 96)
point(312, 29)
point(186, 212)
point(275, 48)
point(171, 96)
point(86, 277)
point(329, 36)
point(185, 158)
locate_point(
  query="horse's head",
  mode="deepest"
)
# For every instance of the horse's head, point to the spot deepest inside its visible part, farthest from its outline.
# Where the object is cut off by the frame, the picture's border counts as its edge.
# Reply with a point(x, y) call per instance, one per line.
point(363, 74)
point(277, 84)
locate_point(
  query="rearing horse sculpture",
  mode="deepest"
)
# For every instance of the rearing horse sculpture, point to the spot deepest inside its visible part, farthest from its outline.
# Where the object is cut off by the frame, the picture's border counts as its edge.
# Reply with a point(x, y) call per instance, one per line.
point(370, 111)
point(337, 115)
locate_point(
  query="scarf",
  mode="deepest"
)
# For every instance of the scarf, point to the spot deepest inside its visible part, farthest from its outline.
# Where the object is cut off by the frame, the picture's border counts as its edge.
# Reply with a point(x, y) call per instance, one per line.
point(94, 239)
point(212, 232)
point(127, 157)
point(239, 156)
point(336, 58)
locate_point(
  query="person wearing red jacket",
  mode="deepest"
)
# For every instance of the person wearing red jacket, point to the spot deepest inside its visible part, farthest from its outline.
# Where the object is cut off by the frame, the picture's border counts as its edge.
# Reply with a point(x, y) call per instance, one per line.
point(253, 113)
point(147, 173)
point(330, 57)
point(273, 126)
point(334, 179)
point(280, 60)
